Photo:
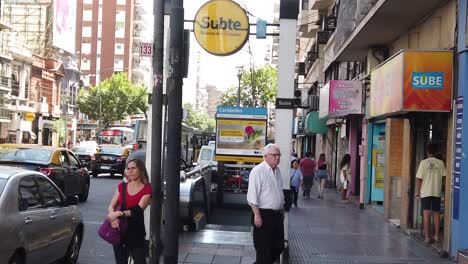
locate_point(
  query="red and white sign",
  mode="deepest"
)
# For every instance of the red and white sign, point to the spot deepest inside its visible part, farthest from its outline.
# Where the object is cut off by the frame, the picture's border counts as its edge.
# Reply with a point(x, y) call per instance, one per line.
point(146, 49)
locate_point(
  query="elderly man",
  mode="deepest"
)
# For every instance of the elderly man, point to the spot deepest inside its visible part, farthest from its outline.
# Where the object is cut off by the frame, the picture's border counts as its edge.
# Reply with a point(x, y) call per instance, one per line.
point(265, 197)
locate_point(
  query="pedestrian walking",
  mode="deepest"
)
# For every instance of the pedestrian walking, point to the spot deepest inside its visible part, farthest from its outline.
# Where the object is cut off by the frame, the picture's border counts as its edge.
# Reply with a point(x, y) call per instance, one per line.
point(308, 171)
point(296, 180)
point(138, 196)
point(265, 197)
point(345, 177)
point(429, 188)
point(322, 174)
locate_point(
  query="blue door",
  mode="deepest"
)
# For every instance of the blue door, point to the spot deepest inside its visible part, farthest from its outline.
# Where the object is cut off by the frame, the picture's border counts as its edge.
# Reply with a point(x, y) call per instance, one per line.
point(378, 162)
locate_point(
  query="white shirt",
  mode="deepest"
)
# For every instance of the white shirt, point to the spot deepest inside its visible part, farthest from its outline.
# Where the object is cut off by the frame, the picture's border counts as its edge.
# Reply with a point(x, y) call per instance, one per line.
point(431, 171)
point(266, 187)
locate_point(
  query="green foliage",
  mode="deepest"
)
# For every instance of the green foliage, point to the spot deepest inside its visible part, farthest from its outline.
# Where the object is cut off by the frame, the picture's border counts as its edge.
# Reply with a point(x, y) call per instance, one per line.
point(113, 99)
point(199, 120)
point(257, 88)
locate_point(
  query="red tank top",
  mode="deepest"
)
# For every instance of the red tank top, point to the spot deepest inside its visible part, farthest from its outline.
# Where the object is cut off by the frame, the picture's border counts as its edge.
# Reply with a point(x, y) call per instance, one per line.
point(134, 200)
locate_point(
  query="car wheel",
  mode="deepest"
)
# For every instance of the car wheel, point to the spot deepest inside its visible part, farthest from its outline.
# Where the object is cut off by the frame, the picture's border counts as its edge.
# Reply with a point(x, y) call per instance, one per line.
point(16, 259)
point(74, 248)
point(112, 175)
point(84, 195)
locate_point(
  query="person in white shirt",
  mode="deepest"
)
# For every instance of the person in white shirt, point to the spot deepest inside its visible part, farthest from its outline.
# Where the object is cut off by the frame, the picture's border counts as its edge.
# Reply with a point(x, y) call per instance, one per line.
point(429, 188)
point(265, 197)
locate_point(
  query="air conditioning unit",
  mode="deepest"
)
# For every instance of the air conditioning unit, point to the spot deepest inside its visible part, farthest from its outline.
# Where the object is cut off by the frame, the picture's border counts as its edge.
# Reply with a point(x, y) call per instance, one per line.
point(300, 68)
point(314, 102)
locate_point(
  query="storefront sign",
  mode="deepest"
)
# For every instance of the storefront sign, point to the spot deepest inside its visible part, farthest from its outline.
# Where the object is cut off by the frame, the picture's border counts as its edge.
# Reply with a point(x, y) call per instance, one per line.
point(240, 133)
point(344, 98)
point(412, 81)
point(221, 27)
point(285, 103)
point(458, 157)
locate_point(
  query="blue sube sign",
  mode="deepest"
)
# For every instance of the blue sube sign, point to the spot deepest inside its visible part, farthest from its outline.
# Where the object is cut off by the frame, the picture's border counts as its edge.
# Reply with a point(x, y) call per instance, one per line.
point(427, 80)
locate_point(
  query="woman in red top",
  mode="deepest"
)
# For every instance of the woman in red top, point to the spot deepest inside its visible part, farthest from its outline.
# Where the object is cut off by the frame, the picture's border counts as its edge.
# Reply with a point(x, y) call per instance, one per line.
point(138, 197)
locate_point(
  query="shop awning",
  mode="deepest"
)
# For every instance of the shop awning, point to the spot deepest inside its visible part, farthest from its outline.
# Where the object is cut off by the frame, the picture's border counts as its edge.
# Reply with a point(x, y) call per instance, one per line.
point(314, 125)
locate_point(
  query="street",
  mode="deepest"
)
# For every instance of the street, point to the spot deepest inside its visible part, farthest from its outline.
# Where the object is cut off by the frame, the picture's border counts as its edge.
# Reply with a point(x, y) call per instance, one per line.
point(94, 250)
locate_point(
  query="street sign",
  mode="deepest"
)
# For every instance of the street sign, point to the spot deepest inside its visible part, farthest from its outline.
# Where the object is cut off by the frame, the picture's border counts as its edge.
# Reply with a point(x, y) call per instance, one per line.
point(29, 116)
point(285, 103)
point(221, 27)
point(261, 29)
point(146, 50)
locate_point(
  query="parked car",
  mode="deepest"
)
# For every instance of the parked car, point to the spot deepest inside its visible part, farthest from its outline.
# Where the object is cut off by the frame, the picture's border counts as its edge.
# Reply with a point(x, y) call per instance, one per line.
point(110, 159)
point(39, 224)
point(85, 153)
point(59, 164)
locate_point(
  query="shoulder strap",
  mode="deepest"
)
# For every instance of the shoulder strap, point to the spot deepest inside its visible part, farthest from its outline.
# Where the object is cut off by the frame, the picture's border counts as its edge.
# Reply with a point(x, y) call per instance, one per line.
point(124, 194)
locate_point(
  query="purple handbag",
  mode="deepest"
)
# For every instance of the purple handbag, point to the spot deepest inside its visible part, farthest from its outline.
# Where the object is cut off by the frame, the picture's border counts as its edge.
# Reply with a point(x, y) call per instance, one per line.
point(113, 235)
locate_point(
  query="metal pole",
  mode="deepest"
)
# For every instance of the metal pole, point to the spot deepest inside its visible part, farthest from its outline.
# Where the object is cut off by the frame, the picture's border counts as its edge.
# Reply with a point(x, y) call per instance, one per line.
point(156, 132)
point(238, 90)
point(174, 87)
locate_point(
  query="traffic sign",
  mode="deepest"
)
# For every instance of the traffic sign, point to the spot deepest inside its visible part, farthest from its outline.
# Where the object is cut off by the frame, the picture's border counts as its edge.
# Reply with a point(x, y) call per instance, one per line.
point(29, 116)
point(146, 50)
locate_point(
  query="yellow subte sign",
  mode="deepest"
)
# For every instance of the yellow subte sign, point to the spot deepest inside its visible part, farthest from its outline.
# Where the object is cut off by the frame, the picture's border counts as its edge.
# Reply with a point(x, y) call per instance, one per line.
point(221, 27)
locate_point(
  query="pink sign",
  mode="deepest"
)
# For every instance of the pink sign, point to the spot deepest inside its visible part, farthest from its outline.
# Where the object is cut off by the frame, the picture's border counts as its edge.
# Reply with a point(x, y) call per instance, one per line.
point(345, 98)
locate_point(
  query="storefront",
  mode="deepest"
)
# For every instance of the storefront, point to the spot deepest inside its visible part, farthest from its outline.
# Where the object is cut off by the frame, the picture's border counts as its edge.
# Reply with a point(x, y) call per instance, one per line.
point(341, 106)
point(410, 104)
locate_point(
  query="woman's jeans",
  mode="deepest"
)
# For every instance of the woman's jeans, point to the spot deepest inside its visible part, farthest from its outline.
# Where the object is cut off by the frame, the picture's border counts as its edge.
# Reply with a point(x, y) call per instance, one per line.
point(295, 192)
point(122, 252)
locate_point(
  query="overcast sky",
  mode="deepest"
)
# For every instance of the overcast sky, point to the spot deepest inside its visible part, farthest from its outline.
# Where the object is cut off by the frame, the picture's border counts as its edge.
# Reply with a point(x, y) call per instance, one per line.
point(221, 71)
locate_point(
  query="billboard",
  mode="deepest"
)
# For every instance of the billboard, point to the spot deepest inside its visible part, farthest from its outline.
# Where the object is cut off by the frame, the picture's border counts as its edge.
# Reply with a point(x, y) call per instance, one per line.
point(412, 81)
point(324, 102)
point(64, 25)
point(241, 133)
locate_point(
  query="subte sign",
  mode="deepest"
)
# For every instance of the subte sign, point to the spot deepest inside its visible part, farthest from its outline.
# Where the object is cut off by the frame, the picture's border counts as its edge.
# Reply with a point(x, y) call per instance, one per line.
point(146, 49)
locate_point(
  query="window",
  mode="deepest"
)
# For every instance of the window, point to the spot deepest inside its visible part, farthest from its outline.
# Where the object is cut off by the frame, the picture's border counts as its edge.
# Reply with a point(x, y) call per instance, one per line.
point(73, 161)
point(86, 32)
point(86, 48)
point(28, 194)
point(23, 154)
point(49, 193)
point(88, 15)
point(63, 157)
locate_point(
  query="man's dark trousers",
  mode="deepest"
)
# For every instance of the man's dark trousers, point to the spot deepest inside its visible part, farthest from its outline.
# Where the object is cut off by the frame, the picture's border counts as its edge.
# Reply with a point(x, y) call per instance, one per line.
point(269, 238)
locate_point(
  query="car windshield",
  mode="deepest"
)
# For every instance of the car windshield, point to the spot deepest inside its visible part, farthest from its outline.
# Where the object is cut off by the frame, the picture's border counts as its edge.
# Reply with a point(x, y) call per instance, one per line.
point(84, 150)
point(24, 154)
point(2, 185)
point(112, 150)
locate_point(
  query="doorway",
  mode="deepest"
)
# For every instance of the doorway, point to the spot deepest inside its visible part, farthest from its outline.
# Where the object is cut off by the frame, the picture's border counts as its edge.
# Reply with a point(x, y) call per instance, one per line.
point(377, 159)
point(426, 128)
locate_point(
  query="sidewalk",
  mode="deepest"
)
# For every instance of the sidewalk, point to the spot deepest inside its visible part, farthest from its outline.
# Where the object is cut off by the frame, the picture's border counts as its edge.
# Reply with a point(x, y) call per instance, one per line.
point(328, 231)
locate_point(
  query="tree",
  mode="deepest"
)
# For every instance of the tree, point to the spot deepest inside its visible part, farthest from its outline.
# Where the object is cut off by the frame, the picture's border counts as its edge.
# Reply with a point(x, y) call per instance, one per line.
point(257, 88)
point(113, 99)
point(199, 120)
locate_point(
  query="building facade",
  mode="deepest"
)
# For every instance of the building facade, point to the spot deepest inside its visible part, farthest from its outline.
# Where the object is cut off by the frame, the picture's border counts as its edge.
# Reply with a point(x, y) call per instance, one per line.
point(347, 50)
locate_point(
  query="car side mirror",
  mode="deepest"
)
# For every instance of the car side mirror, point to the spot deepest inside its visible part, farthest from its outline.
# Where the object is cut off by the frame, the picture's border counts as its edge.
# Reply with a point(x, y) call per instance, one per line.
point(71, 200)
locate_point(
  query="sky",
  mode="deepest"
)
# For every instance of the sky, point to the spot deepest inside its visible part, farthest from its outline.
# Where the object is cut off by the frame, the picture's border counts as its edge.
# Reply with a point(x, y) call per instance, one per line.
point(221, 71)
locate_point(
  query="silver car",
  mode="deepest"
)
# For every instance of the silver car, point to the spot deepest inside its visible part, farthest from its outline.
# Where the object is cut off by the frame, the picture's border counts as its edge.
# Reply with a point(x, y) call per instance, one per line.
point(38, 224)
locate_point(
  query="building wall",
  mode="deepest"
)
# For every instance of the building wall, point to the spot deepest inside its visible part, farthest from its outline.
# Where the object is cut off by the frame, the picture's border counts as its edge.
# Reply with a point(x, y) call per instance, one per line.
point(437, 32)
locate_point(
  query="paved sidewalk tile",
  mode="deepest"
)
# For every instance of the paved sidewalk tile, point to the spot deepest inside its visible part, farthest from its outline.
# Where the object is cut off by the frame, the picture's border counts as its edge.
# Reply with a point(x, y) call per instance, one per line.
point(328, 231)
point(198, 258)
point(226, 260)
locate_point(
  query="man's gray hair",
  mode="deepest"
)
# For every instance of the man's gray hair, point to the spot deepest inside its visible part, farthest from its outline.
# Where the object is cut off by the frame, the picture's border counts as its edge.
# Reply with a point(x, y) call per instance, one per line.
point(269, 147)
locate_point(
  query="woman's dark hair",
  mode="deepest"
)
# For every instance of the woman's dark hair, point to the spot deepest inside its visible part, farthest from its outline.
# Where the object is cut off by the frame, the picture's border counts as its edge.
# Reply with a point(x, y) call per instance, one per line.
point(141, 166)
point(345, 160)
point(294, 160)
point(322, 157)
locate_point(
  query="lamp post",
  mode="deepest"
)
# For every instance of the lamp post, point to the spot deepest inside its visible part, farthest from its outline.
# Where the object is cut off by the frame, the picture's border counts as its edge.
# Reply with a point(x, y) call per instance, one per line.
point(240, 71)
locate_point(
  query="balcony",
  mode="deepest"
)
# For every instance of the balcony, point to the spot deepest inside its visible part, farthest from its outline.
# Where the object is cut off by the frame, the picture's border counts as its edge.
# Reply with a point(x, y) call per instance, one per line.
point(401, 14)
point(21, 105)
point(321, 5)
point(307, 21)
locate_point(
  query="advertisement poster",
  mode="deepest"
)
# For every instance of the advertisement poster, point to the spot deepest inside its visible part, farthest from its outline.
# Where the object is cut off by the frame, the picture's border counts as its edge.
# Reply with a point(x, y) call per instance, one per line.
point(345, 98)
point(241, 133)
point(378, 162)
point(428, 80)
point(64, 25)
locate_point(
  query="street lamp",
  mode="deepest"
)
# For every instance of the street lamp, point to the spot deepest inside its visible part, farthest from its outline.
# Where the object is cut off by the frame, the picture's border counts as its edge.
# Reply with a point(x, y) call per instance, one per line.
point(240, 71)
